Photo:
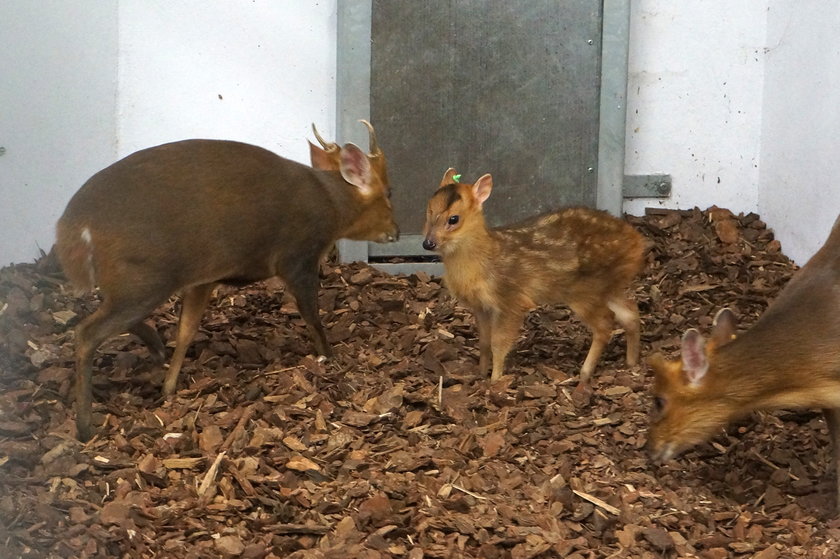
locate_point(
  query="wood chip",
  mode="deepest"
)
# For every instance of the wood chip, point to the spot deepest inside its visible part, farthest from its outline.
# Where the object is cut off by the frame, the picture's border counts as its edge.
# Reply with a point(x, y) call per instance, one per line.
point(302, 464)
point(597, 502)
point(396, 445)
point(209, 479)
point(183, 463)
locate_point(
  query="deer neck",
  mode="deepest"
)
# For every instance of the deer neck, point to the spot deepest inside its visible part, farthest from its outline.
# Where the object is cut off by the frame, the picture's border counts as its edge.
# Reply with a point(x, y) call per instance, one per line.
point(342, 198)
point(469, 262)
point(763, 370)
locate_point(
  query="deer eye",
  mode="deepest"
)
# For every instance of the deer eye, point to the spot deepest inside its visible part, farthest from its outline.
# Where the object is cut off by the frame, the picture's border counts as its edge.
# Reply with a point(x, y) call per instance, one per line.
point(453, 219)
point(658, 406)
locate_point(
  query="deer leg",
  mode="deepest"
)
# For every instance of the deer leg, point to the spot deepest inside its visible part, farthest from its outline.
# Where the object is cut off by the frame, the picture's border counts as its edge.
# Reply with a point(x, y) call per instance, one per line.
point(113, 316)
point(304, 288)
point(505, 330)
point(485, 333)
point(150, 337)
point(599, 320)
point(193, 302)
point(627, 313)
point(832, 420)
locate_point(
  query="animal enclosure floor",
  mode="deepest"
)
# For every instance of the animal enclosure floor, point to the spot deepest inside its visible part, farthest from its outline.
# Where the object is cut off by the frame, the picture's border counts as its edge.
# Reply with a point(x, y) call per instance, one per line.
point(396, 447)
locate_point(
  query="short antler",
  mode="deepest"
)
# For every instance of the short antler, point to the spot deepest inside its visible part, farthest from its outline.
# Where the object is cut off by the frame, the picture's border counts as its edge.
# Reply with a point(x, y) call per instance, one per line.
point(324, 144)
point(374, 145)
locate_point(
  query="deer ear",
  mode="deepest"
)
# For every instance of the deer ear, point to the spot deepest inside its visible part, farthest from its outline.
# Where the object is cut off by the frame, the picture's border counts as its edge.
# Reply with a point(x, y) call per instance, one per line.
point(322, 159)
point(482, 187)
point(694, 361)
point(724, 327)
point(355, 168)
point(448, 177)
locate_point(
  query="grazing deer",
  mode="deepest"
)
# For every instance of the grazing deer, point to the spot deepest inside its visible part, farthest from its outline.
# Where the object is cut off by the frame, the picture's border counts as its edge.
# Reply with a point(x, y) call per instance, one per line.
point(790, 358)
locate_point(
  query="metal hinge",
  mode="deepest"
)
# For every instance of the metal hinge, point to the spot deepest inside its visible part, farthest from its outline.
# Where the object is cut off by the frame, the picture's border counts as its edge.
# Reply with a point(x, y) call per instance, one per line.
point(647, 186)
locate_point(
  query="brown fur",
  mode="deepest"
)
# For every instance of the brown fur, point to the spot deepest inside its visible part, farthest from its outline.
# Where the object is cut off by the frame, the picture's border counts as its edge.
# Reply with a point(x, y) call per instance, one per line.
point(790, 358)
point(581, 257)
point(190, 215)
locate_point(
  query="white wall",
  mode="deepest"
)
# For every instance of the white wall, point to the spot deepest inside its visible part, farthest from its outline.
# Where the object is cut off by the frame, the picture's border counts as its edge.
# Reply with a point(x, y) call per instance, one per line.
point(737, 102)
point(259, 72)
point(800, 159)
point(58, 83)
point(694, 95)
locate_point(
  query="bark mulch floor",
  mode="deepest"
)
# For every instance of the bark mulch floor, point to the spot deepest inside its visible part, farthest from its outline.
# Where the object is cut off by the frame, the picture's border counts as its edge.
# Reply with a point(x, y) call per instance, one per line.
point(396, 448)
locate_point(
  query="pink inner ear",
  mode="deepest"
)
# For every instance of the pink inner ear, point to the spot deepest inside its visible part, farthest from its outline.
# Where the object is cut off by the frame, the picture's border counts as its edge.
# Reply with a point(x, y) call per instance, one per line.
point(355, 167)
point(695, 363)
point(351, 161)
point(482, 188)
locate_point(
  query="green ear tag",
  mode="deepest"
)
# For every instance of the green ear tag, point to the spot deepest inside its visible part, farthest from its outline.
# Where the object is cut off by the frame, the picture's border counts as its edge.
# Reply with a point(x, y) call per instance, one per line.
point(456, 178)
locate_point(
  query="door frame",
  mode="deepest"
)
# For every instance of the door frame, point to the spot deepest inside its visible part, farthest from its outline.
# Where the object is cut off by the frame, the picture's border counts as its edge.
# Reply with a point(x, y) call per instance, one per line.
point(353, 72)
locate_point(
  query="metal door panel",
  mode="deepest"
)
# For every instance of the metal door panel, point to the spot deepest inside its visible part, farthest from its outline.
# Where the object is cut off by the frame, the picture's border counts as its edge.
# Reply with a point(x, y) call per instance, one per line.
point(488, 86)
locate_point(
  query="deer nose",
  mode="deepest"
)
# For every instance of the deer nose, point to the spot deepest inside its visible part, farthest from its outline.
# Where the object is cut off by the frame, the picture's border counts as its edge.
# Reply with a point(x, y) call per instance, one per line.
point(429, 244)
